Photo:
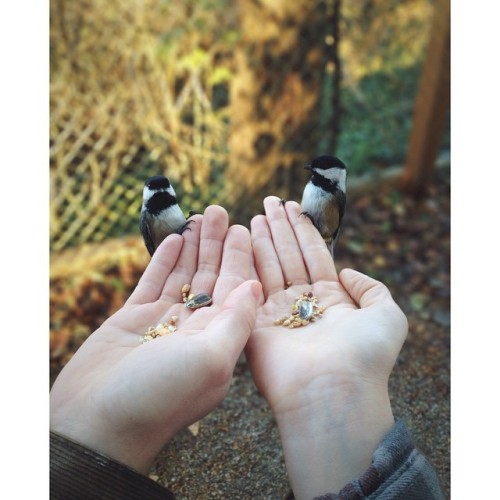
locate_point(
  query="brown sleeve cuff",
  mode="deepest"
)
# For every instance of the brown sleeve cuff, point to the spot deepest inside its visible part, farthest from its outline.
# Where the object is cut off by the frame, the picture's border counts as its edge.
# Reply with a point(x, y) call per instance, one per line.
point(77, 472)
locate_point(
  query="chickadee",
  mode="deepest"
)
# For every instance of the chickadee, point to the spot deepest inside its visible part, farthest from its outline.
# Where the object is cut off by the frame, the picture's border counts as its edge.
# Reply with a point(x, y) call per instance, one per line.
point(323, 200)
point(160, 212)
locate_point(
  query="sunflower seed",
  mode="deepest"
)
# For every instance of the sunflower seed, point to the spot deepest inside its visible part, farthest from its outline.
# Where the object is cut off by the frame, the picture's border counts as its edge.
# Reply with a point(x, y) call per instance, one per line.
point(200, 300)
point(305, 308)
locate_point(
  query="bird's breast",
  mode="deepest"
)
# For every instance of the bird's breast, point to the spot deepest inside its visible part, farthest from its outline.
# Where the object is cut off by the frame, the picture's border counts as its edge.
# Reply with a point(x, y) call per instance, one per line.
point(314, 198)
point(321, 207)
point(168, 221)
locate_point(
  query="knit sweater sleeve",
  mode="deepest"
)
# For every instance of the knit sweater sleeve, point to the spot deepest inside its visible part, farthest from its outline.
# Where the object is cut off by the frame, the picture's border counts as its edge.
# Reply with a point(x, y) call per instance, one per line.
point(78, 473)
point(398, 471)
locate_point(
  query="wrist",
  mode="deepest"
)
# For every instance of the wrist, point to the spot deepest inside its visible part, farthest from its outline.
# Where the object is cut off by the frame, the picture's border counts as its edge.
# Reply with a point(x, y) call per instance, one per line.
point(137, 450)
point(329, 440)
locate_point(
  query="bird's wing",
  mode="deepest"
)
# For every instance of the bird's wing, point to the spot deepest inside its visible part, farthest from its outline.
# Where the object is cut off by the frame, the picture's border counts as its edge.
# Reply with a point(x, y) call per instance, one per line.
point(332, 220)
point(341, 199)
point(148, 238)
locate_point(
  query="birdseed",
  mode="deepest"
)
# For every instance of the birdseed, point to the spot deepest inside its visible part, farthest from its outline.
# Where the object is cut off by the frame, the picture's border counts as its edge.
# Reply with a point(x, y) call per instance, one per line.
point(305, 310)
point(185, 291)
point(160, 330)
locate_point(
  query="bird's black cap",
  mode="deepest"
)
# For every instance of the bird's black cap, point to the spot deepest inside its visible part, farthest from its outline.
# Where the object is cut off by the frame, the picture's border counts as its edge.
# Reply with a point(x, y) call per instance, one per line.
point(324, 162)
point(157, 182)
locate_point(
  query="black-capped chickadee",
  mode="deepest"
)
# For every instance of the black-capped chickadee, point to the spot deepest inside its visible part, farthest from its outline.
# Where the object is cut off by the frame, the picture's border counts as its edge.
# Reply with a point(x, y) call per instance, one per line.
point(160, 212)
point(323, 200)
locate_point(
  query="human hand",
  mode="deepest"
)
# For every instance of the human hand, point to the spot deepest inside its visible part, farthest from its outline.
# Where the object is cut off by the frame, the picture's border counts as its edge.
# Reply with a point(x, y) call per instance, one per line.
point(126, 399)
point(326, 382)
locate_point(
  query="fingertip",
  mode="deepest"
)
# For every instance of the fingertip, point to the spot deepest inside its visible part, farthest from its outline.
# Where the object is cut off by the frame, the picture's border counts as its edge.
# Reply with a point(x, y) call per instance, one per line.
point(249, 288)
point(196, 218)
point(347, 273)
point(271, 198)
point(364, 290)
point(213, 231)
point(216, 211)
point(238, 230)
point(257, 219)
point(256, 291)
point(236, 319)
point(272, 201)
point(350, 274)
point(293, 208)
point(347, 277)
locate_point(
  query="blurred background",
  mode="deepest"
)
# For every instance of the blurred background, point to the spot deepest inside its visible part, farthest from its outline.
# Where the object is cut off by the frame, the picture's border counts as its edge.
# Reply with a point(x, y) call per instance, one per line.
point(230, 99)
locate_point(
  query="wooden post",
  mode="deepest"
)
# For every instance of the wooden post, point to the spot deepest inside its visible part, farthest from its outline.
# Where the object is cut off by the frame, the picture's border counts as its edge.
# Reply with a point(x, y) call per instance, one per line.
point(431, 105)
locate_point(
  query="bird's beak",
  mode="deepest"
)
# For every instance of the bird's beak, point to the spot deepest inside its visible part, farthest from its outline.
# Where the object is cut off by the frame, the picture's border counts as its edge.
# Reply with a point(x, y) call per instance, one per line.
point(308, 167)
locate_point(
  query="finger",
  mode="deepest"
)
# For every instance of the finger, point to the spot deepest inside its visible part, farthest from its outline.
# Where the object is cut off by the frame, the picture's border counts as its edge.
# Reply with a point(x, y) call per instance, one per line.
point(285, 242)
point(185, 268)
point(365, 291)
point(213, 235)
point(253, 270)
point(153, 280)
point(232, 326)
point(266, 260)
point(317, 257)
point(236, 262)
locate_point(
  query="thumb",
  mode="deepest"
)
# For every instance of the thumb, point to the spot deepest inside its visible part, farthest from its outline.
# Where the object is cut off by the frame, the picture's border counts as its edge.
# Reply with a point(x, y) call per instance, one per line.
point(365, 291)
point(232, 326)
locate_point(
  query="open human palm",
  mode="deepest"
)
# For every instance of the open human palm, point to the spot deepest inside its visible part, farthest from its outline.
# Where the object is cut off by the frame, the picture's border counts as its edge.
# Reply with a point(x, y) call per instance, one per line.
point(126, 398)
point(351, 339)
point(326, 382)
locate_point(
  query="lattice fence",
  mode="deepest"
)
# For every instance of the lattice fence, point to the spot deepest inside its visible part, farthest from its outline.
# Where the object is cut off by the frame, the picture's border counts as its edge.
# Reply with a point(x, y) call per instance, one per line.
point(127, 103)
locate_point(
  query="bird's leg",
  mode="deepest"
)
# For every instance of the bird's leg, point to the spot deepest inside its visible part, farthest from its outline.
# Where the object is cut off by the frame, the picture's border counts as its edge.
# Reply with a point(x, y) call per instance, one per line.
point(283, 201)
point(193, 212)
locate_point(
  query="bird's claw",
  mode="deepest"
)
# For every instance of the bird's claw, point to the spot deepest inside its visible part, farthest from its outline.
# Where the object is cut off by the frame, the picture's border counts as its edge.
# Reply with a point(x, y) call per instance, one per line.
point(309, 216)
point(184, 227)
